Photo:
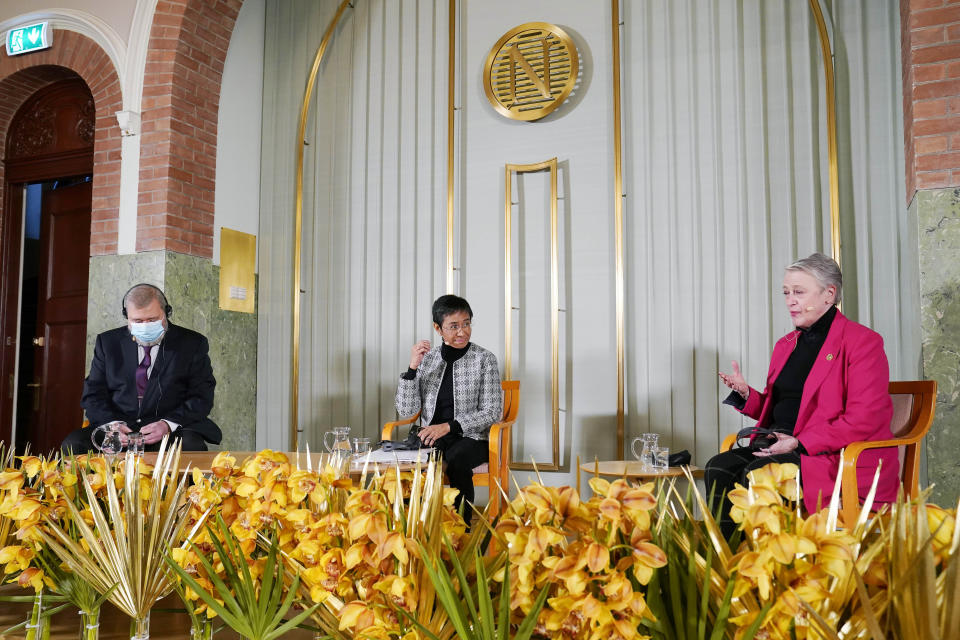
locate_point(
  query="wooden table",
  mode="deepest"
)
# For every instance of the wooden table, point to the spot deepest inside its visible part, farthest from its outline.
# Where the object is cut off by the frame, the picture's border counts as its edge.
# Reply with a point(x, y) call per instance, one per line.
point(633, 469)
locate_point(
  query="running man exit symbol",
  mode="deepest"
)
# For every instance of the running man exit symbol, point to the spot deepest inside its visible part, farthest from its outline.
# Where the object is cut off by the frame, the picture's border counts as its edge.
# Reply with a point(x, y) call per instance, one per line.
point(31, 37)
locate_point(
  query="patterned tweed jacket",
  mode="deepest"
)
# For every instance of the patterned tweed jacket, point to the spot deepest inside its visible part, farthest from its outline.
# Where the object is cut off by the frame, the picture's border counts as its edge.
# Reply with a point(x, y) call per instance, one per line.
point(477, 396)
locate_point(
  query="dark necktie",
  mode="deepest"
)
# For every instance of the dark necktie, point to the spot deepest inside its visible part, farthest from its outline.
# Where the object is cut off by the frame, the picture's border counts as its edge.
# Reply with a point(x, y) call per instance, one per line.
point(142, 373)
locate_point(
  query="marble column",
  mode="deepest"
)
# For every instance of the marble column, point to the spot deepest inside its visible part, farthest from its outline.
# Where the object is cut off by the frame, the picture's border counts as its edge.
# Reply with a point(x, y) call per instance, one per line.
point(938, 226)
point(191, 285)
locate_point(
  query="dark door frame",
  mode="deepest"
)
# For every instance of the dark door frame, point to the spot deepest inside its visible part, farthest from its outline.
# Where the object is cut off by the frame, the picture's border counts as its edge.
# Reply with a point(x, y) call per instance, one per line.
point(18, 173)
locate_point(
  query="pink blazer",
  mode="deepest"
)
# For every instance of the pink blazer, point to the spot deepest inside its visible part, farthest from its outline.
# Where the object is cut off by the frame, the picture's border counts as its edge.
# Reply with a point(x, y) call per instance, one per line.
point(845, 399)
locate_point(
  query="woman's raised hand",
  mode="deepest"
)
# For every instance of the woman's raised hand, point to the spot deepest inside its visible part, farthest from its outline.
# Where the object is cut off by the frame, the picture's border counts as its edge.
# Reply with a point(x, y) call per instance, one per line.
point(735, 380)
point(417, 351)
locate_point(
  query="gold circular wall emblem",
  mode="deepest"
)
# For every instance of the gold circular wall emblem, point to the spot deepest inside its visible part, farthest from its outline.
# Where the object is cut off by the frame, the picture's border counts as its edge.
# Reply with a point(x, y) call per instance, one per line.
point(530, 71)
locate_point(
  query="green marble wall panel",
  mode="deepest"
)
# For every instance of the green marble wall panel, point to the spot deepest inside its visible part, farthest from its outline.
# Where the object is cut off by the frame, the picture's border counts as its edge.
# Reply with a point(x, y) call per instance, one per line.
point(938, 230)
point(192, 288)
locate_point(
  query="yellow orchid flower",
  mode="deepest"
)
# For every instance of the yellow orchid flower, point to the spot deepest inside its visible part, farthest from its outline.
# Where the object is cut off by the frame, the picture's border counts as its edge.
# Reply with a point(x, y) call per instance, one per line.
point(401, 591)
point(356, 615)
point(596, 557)
point(16, 557)
point(941, 523)
point(638, 499)
point(31, 466)
point(223, 464)
point(757, 568)
point(611, 510)
point(34, 577)
point(761, 516)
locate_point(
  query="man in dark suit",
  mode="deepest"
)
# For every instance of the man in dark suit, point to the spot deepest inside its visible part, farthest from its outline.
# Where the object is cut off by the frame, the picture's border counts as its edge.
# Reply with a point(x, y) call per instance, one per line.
point(152, 375)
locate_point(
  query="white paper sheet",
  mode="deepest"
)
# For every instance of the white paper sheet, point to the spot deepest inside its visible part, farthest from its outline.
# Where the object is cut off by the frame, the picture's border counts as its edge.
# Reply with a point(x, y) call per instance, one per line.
point(389, 457)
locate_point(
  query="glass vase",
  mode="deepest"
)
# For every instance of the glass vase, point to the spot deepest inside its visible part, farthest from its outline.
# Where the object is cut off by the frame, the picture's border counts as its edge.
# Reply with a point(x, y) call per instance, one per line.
point(140, 627)
point(38, 625)
point(90, 624)
point(202, 630)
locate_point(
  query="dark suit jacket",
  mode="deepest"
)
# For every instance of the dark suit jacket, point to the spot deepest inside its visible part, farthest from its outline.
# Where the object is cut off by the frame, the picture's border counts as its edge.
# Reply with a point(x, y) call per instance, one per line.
point(180, 388)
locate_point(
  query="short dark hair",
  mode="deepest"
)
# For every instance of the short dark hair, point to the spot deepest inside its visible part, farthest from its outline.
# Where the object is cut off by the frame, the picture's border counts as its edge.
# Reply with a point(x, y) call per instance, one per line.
point(445, 305)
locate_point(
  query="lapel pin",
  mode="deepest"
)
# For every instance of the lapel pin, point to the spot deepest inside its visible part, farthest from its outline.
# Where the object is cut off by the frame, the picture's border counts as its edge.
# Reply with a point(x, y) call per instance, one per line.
point(829, 357)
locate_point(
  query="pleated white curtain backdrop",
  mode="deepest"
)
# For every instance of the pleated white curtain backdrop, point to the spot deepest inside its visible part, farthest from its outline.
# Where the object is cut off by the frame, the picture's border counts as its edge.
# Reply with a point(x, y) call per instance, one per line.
point(724, 174)
point(374, 208)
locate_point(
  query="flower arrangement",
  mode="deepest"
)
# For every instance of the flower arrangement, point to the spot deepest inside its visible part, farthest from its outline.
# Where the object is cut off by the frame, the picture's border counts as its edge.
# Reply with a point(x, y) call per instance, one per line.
point(95, 529)
point(351, 552)
point(263, 545)
point(593, 558)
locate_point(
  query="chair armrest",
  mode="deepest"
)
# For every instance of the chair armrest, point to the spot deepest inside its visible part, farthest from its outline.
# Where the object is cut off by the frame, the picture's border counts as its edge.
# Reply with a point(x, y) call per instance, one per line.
point(388, 427)
point(728, 442)
point(498, 431)
point(854, 449)
point(850, 500)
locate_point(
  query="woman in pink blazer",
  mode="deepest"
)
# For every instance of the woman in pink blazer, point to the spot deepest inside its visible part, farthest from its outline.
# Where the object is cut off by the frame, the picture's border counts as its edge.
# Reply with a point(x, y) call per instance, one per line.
point(826, 387)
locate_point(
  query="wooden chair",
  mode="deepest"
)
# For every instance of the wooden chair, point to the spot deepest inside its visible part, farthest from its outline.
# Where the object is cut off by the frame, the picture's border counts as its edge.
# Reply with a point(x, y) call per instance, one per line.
point(914, 402)
point(496, 471)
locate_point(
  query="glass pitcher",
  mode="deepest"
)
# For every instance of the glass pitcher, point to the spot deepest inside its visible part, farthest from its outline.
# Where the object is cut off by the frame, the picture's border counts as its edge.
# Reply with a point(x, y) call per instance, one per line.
point(337, 439)
point(106, 438)
point(648, 443)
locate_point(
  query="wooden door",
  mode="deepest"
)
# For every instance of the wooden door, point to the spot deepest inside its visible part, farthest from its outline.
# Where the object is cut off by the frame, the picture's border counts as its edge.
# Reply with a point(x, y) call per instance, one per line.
point(61, 337)
point(50, 137)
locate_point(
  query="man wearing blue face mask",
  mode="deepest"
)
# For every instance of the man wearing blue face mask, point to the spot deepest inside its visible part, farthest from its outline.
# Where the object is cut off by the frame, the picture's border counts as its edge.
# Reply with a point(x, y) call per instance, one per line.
point(152, 375)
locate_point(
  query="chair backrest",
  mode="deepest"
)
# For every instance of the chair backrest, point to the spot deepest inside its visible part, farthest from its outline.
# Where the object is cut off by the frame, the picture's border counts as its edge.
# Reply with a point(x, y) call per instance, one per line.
point(914, 402)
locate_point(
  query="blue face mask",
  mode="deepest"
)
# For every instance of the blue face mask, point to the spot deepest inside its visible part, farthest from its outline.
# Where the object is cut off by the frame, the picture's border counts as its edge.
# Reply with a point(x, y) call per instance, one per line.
point(147, 332)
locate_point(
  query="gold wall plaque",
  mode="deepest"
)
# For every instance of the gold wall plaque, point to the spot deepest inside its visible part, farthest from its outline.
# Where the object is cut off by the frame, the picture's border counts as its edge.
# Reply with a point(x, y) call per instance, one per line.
point(238, 261)
point(531, 71)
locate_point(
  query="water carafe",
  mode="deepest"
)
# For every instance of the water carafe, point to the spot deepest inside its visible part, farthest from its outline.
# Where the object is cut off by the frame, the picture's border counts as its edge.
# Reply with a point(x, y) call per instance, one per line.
point(648, 443)
point(337, 440)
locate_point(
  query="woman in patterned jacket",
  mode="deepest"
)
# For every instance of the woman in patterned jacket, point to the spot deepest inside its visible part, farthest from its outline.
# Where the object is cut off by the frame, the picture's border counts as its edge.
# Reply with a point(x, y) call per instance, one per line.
point(456, 389)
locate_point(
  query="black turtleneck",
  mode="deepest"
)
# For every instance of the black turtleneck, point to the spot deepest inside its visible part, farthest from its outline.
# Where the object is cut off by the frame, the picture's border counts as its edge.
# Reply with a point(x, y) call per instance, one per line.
point(444, 409)
point(788, 387)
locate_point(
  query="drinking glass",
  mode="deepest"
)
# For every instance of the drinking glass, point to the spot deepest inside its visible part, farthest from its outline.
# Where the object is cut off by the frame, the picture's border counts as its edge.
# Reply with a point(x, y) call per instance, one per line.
point(661, 458)
point(361, 446)
point(135, 443)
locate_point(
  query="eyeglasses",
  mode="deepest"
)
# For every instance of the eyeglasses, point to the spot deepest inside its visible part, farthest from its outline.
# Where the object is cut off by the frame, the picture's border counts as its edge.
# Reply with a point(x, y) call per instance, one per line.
point(453, 327)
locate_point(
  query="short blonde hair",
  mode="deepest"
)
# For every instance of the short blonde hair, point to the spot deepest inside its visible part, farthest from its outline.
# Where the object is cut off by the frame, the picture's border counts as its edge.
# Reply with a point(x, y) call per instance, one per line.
point(824, 269)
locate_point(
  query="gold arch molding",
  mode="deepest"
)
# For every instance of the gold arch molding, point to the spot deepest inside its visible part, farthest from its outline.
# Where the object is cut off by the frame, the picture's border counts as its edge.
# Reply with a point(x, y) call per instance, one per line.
point(829, 79)
point(298, 225)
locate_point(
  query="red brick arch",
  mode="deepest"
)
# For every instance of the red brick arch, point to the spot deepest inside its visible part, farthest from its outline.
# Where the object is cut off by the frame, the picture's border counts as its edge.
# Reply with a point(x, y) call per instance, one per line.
point(178, 147)
point(75, 54)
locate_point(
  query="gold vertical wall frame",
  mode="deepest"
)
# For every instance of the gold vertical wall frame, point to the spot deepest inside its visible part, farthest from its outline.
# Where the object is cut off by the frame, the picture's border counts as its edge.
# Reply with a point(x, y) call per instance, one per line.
point(298, 228)
point(829, 79)
point(451, 77)
point(511, 169)
point(618, 222)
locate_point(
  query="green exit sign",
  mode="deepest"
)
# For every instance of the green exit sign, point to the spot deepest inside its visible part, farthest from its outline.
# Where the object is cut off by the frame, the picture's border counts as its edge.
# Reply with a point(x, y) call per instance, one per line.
point(31, 37)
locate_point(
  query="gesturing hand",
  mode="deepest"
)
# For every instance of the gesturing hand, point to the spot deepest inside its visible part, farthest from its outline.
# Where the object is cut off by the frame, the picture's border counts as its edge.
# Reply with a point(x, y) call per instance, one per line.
point(735, 381)
point(417, 351)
